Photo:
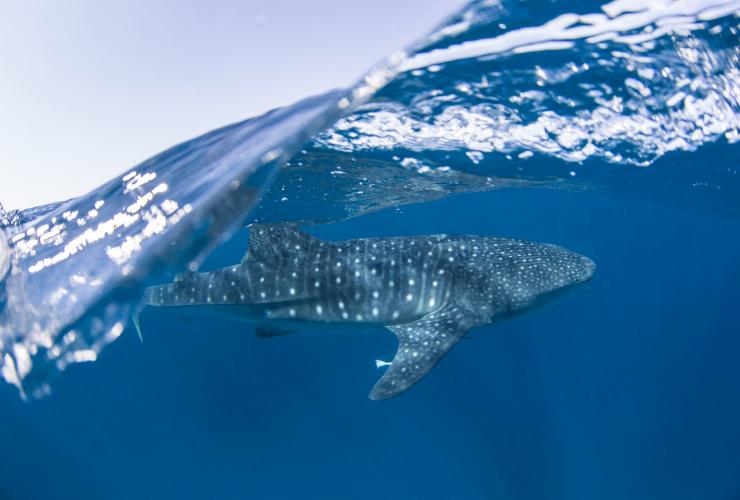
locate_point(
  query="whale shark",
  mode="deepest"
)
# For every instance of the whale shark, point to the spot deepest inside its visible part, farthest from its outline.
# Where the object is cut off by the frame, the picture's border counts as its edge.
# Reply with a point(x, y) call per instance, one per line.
point(428, 290)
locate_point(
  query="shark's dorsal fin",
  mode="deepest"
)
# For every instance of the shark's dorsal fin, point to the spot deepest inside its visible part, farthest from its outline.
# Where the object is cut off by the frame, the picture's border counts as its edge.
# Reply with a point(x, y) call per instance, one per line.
point(421, 345)
point(184, 276)
point(277, 241)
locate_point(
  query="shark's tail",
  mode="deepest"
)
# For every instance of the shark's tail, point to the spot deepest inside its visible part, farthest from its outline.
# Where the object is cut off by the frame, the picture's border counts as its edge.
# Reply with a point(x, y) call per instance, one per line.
point(185, 290)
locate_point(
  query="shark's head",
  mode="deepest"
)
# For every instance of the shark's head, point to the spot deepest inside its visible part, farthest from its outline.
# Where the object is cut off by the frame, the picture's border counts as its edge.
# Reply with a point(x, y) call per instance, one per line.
point(560, 267)
point(586, 268)
point(535, 274)
point(563, 268)
point(553, 275)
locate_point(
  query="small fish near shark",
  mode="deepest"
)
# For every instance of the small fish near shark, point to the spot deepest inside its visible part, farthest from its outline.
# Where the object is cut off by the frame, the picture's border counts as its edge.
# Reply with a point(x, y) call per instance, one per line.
point(428, 290)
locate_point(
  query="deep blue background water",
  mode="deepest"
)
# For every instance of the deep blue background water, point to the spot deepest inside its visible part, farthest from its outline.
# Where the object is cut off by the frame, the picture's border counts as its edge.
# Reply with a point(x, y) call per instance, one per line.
point(627, 388)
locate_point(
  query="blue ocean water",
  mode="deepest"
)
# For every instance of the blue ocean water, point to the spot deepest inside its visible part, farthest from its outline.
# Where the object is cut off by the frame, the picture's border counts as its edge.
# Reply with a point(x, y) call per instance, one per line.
point(612, 133)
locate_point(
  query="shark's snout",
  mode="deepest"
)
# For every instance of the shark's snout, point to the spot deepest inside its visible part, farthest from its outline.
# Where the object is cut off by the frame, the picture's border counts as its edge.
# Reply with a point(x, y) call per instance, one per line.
point(587, 268)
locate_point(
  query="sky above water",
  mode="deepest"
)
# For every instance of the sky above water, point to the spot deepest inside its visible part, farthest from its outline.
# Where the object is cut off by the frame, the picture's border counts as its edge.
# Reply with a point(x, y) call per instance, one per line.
point(90, 88)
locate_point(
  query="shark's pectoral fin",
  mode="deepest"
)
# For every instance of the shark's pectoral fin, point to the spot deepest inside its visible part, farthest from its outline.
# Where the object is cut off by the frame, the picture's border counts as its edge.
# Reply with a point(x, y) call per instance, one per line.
point(421, 345)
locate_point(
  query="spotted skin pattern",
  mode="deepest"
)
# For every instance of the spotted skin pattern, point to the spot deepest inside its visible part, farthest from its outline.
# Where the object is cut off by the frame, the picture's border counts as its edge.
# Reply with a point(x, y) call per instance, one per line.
point(428, 290)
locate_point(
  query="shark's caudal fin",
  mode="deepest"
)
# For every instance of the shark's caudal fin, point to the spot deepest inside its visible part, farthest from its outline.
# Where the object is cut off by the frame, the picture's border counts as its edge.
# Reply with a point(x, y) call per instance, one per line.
point(421, 345)
point(269, 242)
